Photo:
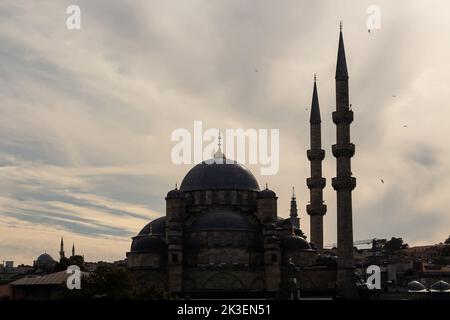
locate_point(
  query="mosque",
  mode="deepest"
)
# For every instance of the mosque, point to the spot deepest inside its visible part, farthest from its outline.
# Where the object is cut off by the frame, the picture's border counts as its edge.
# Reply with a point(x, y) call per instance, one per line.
point(222, 234)
point(46, 264)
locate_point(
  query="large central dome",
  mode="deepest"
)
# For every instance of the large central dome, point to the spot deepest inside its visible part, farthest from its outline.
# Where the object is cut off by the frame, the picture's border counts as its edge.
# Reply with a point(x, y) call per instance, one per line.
point(216, 174)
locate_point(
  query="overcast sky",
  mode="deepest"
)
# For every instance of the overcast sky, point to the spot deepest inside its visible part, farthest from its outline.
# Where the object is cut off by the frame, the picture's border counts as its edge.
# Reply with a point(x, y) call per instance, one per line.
point(86, 116)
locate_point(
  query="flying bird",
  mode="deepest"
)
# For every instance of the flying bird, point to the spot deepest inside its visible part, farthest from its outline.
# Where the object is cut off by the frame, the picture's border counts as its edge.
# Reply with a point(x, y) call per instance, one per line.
point(382, 181)
point(405, 126)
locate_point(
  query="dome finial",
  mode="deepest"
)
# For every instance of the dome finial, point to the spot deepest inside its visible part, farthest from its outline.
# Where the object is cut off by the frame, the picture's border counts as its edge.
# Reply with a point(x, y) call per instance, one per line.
point(176, 185)
point(267, 186)
point(219, 156)
point(293, 192)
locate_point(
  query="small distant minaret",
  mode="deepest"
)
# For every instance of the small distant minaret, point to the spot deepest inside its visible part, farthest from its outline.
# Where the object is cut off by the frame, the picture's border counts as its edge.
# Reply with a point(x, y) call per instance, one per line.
point(73, 250)
point(61, 250)
point(344, 182)
point(295, 220)
point(316, 183)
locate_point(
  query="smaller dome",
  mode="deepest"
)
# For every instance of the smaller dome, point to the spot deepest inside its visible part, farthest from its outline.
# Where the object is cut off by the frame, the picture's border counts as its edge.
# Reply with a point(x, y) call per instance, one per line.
point(267, 194)
point(147, 244)
point(295, 243)
point(416, 286)
point(440, 286)
point(155, 227)
point(45, 260)
point(175, 194)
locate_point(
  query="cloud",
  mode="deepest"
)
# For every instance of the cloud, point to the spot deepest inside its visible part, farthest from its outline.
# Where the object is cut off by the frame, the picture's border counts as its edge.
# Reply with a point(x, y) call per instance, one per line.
point(86, 116)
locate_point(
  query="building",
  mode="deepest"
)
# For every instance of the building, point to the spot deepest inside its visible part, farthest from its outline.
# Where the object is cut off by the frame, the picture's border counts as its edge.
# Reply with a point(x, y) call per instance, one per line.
point(8, 274)
point(222, 234)
point(46, 287)
point(430, 253)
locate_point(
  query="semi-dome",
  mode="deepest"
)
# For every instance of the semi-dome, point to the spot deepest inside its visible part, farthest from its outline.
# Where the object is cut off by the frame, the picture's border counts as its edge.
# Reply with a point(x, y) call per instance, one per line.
point(416, 286)
point(219, 174)
point(440, 286)
point(222, 220)
point(45, 260)
point(294, 242)
point(155, 227)
point(147, 243)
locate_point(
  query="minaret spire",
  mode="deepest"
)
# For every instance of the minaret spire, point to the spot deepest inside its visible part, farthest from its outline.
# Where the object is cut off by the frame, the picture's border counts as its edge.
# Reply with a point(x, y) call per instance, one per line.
point(344, 183)
point(294, 212)
point(315, 110)
point(73, 249)
point(316, 183)
point(61, 249)
point(341, 66)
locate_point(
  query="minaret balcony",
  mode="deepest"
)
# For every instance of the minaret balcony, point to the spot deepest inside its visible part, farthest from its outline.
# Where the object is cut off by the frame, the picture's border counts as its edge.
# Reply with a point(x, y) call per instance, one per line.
point(343, 150)
point(316, 154)
point(316, 210)
point(343, 183)
point(343, 116)
point(316, 183)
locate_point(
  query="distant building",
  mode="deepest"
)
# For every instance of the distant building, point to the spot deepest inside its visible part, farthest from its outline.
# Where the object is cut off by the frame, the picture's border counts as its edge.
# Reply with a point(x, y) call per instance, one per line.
point(46, 287)
point(430, 253)
point(8, 274)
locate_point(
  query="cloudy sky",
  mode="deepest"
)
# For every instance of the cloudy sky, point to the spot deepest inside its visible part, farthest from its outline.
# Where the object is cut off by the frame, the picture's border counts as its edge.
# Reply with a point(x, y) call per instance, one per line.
point(86, 116)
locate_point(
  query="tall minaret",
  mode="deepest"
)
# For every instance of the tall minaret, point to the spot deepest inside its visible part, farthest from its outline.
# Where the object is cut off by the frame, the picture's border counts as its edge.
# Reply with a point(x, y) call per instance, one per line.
point(344, 183)
point(61, 249)
point(316, 209)
point(295, 220)
point(73, 250)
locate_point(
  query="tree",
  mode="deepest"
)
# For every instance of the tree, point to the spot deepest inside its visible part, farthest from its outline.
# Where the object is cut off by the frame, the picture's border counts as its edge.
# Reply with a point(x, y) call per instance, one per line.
point(64, 263)
point(105, 282)
point(113, 283)
point(395, 244)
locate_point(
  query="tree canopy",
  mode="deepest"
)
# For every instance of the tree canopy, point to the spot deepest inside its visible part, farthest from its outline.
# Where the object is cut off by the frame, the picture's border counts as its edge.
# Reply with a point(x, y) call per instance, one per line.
point(113, 283)
point(395, 244)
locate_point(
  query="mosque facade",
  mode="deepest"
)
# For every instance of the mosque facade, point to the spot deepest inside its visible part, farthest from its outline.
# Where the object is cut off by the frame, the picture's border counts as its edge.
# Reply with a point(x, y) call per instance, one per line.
point(222, 233)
